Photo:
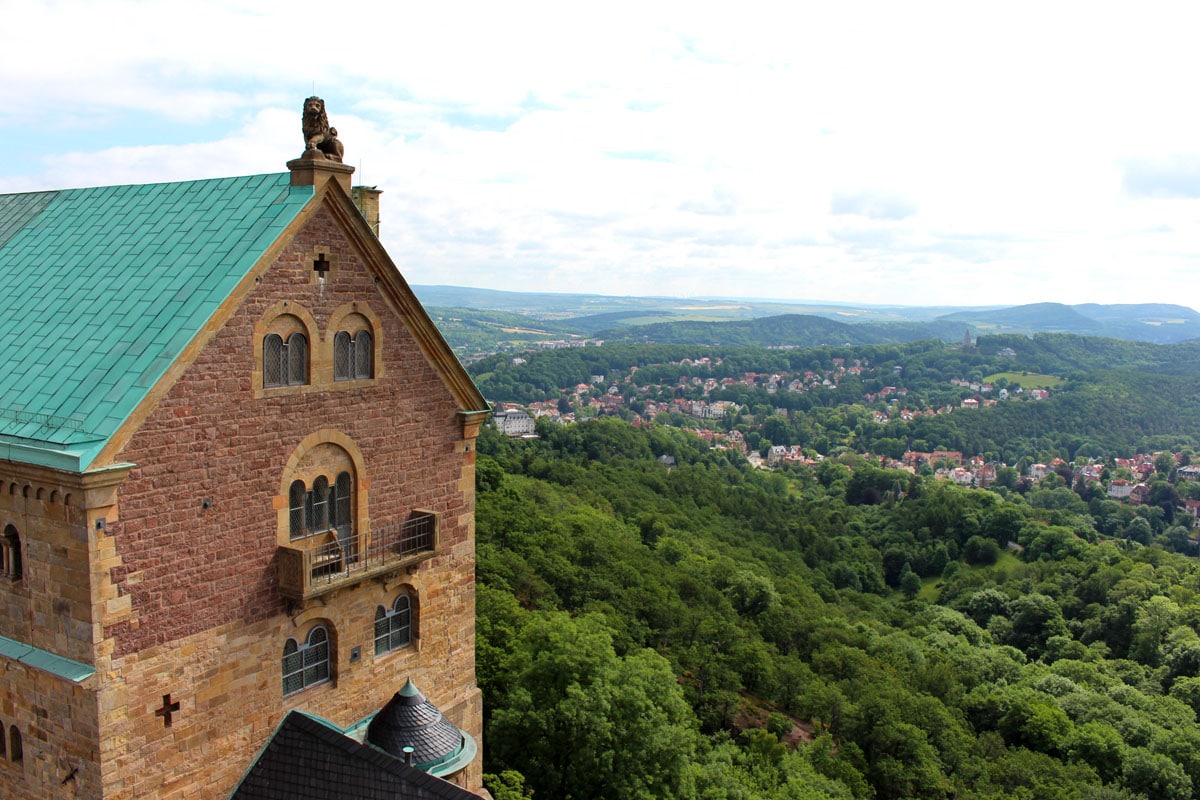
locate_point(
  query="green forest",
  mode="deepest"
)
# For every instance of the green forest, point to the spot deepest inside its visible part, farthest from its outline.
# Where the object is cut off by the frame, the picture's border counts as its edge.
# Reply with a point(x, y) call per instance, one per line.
point(1112, 397)
point(707, 630)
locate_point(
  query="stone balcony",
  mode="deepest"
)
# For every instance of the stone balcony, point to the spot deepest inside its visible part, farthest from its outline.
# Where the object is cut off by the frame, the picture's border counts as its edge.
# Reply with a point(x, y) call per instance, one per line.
point(322, 563)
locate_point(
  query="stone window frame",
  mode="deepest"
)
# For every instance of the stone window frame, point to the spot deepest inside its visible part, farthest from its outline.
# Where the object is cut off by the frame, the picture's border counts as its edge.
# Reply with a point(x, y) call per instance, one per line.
point(11, 561)
point(387, 624)
point(285, 319)
point(306, 673)
point(329, 465)
point(16, 748)
point(322, 506)
point(353, 356)
point(353, 319)
point(291, 357)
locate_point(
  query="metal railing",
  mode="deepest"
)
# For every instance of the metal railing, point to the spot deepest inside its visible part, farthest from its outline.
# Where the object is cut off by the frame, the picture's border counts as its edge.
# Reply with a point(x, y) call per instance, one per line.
point(330, 560)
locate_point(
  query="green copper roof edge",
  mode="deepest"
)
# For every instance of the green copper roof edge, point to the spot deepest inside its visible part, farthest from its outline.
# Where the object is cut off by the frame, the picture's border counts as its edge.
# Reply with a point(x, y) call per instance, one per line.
point(454, 762)
point(74, 671)
point(70, 460)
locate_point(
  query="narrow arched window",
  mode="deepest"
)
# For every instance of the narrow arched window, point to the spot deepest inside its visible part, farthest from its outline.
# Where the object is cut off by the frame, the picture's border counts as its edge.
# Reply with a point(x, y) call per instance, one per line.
point(340, 508)
point(15, 750)
point(316, 657)
point(340, 515)
point(364, 355)
point(393, 627)
point(318, 506)
point(274, 364)
point(343, 356)
point(297, 353)
point(306, 664)
point(293, 667)
point(297, 499)
point(10, 554)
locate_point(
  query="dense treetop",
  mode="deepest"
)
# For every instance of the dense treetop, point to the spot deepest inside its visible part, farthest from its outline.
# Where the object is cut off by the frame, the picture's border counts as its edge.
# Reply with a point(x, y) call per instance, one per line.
point(714, 631)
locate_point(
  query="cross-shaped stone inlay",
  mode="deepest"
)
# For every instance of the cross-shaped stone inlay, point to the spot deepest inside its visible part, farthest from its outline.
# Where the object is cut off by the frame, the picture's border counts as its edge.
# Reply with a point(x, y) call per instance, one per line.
point(167, 709)
point(321, 266)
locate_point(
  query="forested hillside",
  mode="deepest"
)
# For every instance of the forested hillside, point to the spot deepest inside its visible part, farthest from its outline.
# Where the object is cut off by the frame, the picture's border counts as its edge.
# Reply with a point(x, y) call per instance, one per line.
point(796, 330)
point(843, 631)
point(1112, 397)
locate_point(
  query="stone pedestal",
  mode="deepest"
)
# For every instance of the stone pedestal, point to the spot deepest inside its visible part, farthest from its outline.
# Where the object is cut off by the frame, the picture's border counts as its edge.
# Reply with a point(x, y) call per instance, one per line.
point(314, 171)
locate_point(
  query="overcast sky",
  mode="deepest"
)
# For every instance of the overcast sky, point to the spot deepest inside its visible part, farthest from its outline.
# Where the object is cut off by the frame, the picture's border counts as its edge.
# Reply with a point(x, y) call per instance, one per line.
point(895, 153)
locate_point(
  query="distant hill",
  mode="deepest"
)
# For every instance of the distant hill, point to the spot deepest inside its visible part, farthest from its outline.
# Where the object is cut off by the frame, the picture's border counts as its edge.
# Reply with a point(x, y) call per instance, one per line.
point(789, 330)
point(1146, 322)
point(480, 321)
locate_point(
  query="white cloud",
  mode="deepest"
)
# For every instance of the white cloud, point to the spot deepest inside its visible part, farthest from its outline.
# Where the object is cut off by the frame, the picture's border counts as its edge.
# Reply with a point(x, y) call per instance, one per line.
point(872, 152)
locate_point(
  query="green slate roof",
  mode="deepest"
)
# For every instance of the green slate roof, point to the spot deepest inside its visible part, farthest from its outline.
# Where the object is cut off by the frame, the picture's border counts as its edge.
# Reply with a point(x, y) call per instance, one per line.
point(105, 287)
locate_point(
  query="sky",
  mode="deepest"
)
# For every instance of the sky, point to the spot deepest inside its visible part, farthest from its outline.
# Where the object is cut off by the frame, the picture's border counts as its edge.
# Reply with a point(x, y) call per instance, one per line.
point(852, 152)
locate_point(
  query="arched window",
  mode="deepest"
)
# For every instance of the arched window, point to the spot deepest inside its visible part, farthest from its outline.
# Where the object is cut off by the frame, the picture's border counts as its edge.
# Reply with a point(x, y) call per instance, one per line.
point(285, 363)
point(273, 361)
point(353, 357)
point(340, 504)
point(317, 508)
point(306, 664)
point(393, 628)
point(297, 347)
point(10, 554)
point(15, 751)
point(364, 355)
point(321, 508)
point(297, 497)
point(342, 351)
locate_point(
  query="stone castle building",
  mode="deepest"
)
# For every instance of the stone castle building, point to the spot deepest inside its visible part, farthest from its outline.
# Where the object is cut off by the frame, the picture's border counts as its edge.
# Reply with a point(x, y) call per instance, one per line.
point(236, 482)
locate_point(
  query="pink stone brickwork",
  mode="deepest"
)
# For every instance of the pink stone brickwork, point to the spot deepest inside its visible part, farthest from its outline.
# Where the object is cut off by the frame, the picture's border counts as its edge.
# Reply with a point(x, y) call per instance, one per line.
point(178, 593)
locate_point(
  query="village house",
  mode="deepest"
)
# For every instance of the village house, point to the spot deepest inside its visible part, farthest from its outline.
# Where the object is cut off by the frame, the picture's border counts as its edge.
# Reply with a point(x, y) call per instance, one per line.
point(237, 494)
point(1119, 488)
point(514, 422)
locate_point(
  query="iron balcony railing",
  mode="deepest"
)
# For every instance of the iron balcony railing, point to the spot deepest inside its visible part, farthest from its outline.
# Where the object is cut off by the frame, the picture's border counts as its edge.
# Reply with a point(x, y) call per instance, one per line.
point(334, 559)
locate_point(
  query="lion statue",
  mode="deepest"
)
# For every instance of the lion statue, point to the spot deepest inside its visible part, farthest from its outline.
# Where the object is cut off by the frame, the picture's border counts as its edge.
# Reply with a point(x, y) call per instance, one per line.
point(319, 137)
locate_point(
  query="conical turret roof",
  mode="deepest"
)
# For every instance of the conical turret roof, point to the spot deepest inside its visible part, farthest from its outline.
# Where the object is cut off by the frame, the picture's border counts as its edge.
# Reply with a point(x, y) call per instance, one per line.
point(410, 720)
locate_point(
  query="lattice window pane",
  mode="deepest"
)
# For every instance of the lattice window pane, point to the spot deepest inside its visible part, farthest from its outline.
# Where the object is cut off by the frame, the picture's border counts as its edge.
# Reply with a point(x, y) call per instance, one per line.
point(342, 496)
point(297, 350)
point(320, 504)
point(316, 657)
point(401, 629)
point(296, 502)
point(363, 355)
point(273, 363)
point(293, 667)
point(382, 631)
point(342, 356)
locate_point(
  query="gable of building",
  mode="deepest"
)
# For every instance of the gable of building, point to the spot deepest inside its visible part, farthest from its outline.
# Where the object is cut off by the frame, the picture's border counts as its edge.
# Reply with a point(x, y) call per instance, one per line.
point(115, 289)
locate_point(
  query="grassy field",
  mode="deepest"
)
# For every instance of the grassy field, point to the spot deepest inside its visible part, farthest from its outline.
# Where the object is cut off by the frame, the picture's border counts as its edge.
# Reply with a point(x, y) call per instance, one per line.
point(1030, 380)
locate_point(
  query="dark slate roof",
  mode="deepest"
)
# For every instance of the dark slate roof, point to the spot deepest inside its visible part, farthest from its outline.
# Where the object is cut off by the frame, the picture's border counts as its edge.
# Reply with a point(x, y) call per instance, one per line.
point(306, 759)
point(104, 288)
point(410, 720)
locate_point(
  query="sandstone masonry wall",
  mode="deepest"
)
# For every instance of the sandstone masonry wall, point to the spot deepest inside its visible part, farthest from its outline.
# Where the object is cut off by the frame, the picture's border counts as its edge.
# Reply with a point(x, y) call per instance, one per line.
point(199, 527)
